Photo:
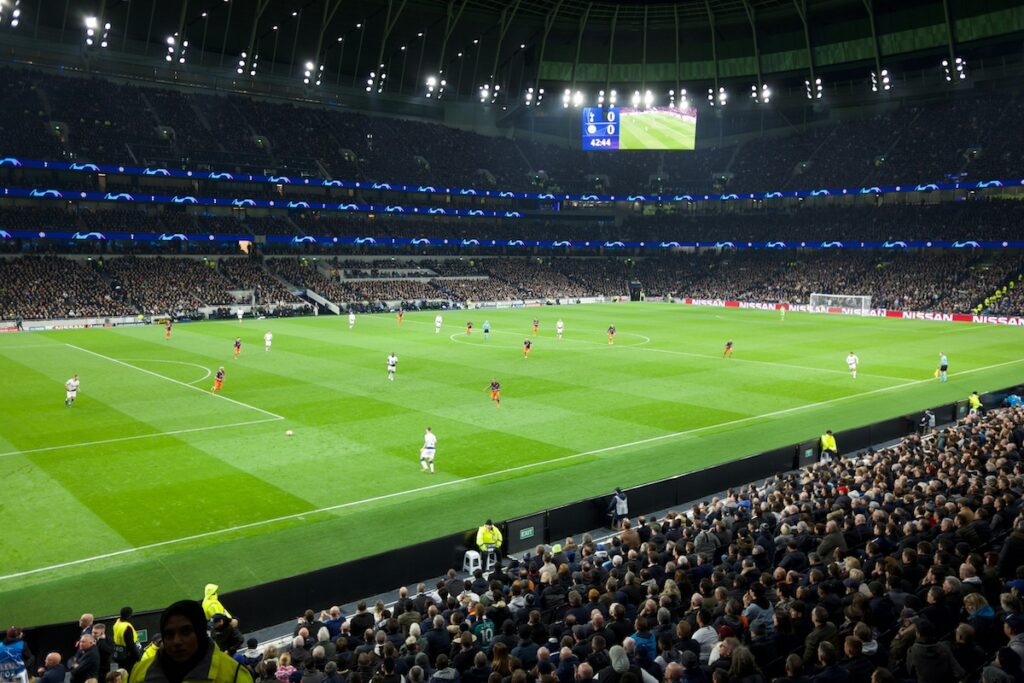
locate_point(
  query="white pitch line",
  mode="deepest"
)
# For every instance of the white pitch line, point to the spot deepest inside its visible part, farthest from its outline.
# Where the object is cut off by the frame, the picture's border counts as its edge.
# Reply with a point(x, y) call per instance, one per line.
point(178, 382)
point(175, 362)
point(477, 477)
point(675, 352)
point(139, 436)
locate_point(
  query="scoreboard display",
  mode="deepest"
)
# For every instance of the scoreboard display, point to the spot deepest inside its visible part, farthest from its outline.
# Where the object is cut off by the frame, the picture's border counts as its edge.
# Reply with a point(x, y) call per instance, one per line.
point(626, 128)
point(600, 128)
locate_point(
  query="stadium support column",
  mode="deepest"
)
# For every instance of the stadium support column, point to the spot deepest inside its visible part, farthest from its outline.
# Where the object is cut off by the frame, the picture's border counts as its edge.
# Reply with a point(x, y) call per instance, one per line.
point(714, 44)
point(643, 55)
point(504, 22)
point(549, 21)
point(869, 5)
point(149, 29)
point(451, 18)
point(950, 31)
point(260, 8)
point(675, 19)
point(295, 42)
point(127, 23)
point(579, 44)
point(389, 23)
point(330, 9)
point(611, 51)
point(801, 10)
point(227, 31)
point(753, 33)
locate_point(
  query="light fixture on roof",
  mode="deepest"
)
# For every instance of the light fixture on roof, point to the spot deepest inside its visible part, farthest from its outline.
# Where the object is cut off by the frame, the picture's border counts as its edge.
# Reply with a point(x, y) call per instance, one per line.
point(813, 90)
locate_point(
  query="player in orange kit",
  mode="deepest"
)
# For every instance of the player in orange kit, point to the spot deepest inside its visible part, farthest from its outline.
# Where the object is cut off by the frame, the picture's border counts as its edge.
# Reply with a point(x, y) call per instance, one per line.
point(469, 327)
point(401, 314)
point(238, 346)
point(167, 329)
point(727, 353)
point(536, 326)
point(611, 334)
point(218, 381)
point(496, 393)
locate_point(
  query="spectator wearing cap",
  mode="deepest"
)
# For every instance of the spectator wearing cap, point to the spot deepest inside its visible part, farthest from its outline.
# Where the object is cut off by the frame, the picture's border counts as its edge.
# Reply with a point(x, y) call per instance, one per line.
point(53, 670)
point(15, 657)
point(1013, 628)
point(930, 660)
point(228, 638)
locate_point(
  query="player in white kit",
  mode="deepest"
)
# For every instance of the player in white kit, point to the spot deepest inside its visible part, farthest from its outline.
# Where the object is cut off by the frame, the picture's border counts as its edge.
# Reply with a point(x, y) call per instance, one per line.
point(392, 364)
point(559, 328)
point(851, 362)
point(437, 323)
point(351, 319)
point(239, 313)
point(71, 391)
point(428, 451)
point(268, 339)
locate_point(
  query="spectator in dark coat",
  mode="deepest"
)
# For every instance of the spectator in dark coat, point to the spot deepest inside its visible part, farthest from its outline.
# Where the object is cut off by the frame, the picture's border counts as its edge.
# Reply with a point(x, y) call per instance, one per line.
point(929, 661)
point(86, 662)
point(1011, 555)
point(52, 671)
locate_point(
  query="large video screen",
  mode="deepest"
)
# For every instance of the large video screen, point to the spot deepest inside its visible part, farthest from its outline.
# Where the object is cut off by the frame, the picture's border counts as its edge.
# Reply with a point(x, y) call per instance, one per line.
point(653, 128)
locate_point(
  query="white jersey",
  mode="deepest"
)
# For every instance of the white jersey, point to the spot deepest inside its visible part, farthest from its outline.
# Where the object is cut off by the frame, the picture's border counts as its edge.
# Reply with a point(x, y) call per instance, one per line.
point(392, 362)
point(71, 386)
point(268, 338)
point(437, 322)
point(429, 441)
point(351, 318)
point(559, 327)
point(851, 361)
point(240, 313)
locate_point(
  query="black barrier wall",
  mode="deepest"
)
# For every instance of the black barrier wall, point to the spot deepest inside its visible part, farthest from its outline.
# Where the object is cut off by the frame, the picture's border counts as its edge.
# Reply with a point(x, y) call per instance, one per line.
point(281, 601)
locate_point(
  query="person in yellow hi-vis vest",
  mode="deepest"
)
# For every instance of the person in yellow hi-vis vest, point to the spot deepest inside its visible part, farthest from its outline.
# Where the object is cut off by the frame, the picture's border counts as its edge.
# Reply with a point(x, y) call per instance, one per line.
point(211, 602)
point(975, 401)
point(828, 446)
point(126, 648)
point(188, 655)
point(488, 538)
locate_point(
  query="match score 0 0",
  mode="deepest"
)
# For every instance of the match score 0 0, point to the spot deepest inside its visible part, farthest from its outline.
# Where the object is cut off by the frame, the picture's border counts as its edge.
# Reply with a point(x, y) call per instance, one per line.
point(600, 128)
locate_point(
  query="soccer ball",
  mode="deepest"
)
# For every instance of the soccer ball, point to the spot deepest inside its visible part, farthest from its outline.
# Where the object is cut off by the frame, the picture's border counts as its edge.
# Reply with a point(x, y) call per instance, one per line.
point(289, 433)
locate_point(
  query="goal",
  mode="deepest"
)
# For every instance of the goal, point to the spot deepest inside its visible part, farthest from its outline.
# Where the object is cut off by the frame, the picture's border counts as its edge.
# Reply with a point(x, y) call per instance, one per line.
point(854, 301)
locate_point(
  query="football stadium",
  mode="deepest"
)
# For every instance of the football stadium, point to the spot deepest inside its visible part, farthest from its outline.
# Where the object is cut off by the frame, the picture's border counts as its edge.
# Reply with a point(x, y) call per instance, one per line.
point(538, 341)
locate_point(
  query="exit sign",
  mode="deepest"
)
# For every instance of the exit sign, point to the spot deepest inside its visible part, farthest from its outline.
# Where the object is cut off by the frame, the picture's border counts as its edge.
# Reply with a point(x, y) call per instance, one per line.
point(525, 533)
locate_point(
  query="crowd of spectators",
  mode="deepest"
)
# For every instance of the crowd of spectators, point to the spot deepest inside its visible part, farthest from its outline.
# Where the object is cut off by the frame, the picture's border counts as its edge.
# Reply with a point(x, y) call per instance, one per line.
point(250, 274)
point(307, 274)
point(899, 564)
point(52, 287)
point(970, 134)
point(179, 286)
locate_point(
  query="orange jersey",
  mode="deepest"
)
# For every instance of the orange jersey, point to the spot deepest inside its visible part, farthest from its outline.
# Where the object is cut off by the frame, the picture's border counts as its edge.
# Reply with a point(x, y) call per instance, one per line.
point(495, 393)
point(218, 383)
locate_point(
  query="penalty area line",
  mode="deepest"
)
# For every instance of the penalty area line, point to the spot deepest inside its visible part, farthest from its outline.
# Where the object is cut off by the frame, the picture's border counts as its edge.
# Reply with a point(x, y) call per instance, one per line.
point(175, 381)
point(478, 477)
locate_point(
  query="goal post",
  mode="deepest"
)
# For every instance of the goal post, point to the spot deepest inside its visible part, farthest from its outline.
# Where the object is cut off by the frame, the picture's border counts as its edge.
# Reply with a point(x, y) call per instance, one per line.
point(855, 301)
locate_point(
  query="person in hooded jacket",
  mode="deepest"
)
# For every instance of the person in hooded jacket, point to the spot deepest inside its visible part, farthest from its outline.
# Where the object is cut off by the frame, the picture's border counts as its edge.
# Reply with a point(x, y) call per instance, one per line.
point(211, 602)
point(187, 653)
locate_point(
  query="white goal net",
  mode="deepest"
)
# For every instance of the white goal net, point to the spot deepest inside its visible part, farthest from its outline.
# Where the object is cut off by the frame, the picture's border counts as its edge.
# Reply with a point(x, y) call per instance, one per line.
point(854, 301)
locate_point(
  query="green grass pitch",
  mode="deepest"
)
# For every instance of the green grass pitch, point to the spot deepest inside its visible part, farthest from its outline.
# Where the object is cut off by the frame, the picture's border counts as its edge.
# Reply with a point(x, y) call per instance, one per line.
point(149, 486)
point(655, 130)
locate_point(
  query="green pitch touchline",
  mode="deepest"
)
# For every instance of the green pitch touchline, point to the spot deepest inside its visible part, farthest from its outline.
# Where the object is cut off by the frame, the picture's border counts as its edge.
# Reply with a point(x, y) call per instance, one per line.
point(477, 477)
point(179, 383)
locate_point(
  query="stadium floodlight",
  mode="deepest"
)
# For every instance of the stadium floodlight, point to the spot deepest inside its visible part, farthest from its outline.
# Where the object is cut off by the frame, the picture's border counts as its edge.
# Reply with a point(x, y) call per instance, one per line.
point(648, 99)
point(600, 98)
point(880, 81)
point(762, 95)
point(431, 85)
point(635, 99)
point(613, 97)
point(485, 92)
point(566, 98)
point(813, 90)
point(577, 99)
point(721, 98)
point(528, 97)
point(91, 23)
point(15, 12)
point(957, 71)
